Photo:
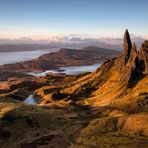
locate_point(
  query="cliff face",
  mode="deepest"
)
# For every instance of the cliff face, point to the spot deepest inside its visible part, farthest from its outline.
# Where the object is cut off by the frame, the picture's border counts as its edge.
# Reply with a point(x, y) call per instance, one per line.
point(143, 57)
point(132, 65)
point(127, 46)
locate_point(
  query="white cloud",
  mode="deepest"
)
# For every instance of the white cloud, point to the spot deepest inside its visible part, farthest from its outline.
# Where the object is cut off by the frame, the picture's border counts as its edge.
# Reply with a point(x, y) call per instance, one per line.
point(71, 38)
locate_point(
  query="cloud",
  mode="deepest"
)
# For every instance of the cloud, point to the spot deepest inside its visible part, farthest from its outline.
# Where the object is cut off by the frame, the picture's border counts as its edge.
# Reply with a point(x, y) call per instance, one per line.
point(75, 40)
point(146, 37)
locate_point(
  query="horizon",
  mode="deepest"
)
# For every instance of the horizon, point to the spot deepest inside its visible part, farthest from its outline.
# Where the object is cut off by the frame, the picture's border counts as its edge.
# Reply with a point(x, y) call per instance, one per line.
point(57, 21)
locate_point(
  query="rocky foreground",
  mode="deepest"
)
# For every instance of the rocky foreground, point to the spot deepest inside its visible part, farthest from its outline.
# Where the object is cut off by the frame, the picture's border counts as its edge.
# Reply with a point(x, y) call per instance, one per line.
point(105, 108)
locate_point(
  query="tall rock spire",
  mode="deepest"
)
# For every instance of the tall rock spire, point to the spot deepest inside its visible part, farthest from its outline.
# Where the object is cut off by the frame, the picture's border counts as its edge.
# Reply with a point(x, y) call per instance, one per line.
point(127, 46)
point(127, 42)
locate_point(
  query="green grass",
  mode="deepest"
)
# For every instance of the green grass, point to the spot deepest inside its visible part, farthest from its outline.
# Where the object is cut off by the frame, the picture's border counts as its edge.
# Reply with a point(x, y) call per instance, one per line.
point(27, 121)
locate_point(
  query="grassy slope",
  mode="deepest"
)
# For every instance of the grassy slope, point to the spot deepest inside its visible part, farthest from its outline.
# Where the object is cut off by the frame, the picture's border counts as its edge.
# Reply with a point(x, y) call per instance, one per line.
point(69, 126)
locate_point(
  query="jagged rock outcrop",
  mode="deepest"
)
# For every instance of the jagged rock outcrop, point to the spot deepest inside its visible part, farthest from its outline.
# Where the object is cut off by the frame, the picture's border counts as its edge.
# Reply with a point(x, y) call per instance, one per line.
point(133, 65)
point(143, 57)
point(127, 46)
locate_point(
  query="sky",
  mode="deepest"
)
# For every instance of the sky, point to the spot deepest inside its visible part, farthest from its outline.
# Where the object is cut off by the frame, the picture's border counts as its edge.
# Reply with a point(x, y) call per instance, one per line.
point(85, 18)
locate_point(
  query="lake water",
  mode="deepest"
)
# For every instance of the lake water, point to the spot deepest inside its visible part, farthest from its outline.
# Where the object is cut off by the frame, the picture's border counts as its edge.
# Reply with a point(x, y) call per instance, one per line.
point(38, 74)
point(31, 100)
point(70, 70)
point(13, 57)
point(73, 70)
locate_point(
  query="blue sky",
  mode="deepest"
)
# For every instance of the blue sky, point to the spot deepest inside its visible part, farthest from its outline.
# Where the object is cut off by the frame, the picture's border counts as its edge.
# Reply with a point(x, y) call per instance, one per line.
point(98, 18)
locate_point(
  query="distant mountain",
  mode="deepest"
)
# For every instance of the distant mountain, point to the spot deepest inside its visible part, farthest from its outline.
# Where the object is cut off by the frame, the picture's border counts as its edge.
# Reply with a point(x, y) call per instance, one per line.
point(64, 57)
point(67, 41)
point(80, 43)
point(77, 45)
point(23, 47)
